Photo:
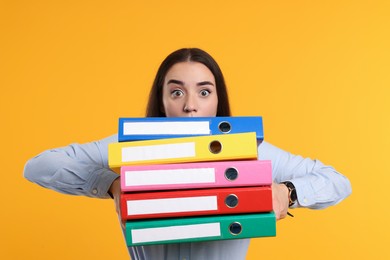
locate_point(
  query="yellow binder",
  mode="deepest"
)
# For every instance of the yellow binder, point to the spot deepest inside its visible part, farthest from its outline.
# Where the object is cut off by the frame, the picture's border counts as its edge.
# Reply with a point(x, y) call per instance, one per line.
point(188, 149)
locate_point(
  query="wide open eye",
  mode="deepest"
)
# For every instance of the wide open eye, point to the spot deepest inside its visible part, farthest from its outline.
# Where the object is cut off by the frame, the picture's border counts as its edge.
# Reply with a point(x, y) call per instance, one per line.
point(204, 92)
point(177, 93)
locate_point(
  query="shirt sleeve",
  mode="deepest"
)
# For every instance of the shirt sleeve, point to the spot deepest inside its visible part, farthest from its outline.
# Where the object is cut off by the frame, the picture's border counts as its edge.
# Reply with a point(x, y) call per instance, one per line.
point(318, 186)
point(77, 169)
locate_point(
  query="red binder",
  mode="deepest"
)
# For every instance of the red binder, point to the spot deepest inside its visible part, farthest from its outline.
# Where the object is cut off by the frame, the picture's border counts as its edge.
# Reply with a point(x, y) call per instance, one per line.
point(196, 202)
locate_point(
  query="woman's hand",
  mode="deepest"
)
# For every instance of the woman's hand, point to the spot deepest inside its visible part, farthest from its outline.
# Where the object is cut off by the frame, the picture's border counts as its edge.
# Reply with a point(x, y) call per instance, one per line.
point(280, 200)
point(115, 190)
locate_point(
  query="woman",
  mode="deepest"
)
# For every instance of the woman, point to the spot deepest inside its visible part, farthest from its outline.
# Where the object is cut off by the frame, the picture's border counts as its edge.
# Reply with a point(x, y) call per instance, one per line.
point(188, 83)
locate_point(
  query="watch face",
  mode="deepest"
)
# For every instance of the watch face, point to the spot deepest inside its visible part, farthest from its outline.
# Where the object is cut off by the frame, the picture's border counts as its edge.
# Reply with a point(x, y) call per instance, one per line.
point(293, 192)
point(293, 195)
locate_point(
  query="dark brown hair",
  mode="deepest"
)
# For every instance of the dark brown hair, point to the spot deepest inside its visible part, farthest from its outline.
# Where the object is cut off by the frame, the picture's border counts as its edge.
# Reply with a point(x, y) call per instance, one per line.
point(154, 107)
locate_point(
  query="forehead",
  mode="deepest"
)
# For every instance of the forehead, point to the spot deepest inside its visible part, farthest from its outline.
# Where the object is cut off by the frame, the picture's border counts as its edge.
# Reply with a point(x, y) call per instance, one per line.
point(189, 71)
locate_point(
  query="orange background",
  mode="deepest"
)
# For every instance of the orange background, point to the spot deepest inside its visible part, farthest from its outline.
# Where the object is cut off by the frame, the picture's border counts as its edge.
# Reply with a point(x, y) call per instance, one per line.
point(317, 71)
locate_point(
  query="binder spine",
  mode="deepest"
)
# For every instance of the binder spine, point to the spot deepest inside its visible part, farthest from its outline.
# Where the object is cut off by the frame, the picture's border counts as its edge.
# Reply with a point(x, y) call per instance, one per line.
point(196, 175)
point(150, 128)
point(190, 149)
point(197, 229)
point(196, 202)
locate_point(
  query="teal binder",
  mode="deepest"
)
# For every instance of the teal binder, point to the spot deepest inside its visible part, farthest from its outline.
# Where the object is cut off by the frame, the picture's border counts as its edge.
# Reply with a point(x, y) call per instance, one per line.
point(196, 229)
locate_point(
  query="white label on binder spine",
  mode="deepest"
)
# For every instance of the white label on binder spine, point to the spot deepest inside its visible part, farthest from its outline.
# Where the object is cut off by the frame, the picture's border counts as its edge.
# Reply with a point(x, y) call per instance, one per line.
point(166, 128)
point(156, 152)
point(175, 232)
point(169, 205)
point(171, 176)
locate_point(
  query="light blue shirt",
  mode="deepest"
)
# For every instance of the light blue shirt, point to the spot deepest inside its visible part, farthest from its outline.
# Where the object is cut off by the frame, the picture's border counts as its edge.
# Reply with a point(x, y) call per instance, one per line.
point(82, 169)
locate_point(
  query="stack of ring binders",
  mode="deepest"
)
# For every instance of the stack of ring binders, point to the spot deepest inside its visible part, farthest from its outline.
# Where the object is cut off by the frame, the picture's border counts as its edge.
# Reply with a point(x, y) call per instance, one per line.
point(192, 179)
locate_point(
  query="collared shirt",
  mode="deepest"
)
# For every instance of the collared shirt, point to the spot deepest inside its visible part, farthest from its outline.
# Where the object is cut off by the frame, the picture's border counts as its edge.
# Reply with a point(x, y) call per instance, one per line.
point(82, 169)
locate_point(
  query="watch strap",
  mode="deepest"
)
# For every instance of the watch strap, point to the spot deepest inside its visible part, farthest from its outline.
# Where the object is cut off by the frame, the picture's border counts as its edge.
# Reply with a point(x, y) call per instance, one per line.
point(292, 193)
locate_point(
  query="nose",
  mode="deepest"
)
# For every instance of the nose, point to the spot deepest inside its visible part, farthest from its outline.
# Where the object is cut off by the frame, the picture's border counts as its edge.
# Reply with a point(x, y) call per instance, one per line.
point(190, 105)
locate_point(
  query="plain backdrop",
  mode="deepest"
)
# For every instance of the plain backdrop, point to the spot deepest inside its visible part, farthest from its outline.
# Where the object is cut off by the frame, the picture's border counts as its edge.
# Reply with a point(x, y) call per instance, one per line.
point(317, 71)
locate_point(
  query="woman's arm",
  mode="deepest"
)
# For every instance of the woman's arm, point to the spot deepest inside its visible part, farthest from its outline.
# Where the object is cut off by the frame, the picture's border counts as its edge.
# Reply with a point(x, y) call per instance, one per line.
point(317, 185)
point(77, 169)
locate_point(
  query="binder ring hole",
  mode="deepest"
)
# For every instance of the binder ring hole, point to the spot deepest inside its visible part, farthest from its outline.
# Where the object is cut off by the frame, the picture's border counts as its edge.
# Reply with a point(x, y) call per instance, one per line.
point(235, 228)
point(231, 201)
point(215, 147)
point(225, 127)
point(231, 174)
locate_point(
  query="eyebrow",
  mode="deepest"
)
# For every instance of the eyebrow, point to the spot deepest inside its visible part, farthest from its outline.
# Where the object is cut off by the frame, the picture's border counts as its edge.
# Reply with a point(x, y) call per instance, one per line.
point(181, 83)
point(202, 83)
point(175, 81)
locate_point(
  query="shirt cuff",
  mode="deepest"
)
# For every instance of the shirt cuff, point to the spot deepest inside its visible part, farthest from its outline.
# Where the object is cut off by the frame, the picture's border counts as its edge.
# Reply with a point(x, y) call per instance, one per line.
point(305, 194)
point(101, 184)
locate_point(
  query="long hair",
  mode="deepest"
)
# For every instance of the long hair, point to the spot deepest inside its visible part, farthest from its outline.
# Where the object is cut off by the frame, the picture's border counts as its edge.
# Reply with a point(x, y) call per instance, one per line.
point(155, 104)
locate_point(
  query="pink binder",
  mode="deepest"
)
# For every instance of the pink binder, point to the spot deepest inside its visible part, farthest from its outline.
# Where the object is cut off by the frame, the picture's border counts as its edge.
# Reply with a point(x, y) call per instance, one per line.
point(196, 175)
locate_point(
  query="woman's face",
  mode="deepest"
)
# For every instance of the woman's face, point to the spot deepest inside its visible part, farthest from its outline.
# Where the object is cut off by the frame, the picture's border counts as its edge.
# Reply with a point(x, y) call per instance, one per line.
point(189, 91)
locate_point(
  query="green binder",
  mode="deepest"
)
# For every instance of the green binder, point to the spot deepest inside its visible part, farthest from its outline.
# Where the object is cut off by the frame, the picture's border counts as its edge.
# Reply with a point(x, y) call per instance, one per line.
point(196, 229)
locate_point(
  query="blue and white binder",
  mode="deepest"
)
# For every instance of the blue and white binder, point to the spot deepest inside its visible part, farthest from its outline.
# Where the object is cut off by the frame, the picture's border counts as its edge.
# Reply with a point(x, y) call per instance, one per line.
point(148, 128)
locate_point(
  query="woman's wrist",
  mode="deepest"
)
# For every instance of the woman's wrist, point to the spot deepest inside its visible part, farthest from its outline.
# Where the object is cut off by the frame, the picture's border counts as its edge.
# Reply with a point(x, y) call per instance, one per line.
point(114, 188)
